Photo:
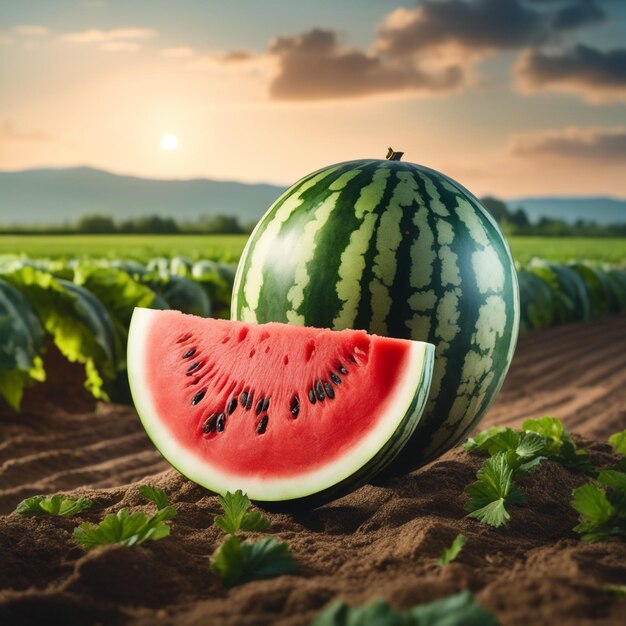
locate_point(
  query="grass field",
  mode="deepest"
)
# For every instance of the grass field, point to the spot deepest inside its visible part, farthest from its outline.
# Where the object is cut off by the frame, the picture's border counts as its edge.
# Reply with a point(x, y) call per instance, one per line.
point(229, 247)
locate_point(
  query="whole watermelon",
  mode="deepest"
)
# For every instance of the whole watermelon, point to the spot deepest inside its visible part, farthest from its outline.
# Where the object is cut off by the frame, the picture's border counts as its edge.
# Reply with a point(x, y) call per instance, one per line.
point(399, 250)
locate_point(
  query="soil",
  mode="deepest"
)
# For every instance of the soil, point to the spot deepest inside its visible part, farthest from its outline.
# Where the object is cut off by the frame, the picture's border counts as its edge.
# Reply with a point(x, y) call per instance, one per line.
point(380, 541)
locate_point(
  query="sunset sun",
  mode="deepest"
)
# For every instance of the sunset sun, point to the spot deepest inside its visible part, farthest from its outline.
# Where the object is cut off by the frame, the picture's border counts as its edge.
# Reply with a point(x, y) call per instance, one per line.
point(169, 142)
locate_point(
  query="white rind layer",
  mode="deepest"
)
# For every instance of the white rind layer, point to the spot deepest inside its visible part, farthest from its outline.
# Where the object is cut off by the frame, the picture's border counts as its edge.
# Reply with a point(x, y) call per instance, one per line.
point(203, 472)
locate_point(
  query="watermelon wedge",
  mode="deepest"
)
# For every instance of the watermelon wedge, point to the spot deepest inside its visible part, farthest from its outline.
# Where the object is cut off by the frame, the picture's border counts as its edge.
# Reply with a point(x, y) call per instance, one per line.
point(281, 412)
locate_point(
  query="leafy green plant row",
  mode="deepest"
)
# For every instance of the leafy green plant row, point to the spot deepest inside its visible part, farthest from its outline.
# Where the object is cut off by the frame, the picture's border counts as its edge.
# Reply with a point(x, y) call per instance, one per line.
point(85, 309)
point(600, 503)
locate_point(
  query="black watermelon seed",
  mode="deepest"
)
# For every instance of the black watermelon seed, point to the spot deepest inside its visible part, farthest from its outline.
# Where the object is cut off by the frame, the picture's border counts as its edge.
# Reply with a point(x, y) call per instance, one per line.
point(335, 378)
point(209, 425)
point(319, 391)
point(295, 406)
point(259, 406)
point(221, 422)
point(312, 398)
point(250, 401)
point(266, 404)
point(193, 367)
point(342, 369)
point(262, 425)
point(243, 398)
point(189, 353)
point(330, 392)
point(231, 406)
point(198, 397)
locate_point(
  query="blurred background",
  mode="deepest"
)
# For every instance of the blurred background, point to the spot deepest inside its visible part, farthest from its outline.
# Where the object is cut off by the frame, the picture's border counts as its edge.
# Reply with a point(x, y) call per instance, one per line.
point(154, 117)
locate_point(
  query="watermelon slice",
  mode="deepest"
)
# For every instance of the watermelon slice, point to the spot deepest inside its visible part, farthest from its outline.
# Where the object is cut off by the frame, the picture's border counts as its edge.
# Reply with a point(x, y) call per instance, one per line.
point(278, 411)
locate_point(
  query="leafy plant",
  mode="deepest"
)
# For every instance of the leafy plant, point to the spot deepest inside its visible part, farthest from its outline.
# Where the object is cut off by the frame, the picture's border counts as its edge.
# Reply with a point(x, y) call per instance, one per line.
point(538, 439)
point(129, 528)
point(236, 515)
point(493, 492)
point(560, 446)
point(452, 552)
point(602, 507)
point(618, 443)
point(67, 313)
point(238, 562)
point(56, 505)
point(456, 610)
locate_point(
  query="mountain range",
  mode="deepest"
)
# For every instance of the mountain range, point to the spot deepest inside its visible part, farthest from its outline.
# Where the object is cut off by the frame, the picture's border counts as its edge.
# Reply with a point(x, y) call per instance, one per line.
point(41, 197)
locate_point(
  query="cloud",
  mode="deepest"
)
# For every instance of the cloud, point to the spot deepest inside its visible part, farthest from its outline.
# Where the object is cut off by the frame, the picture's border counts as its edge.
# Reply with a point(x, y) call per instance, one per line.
point(598, 144)
point(114, 40)
point(314, 66)
point(30, 30)
point(598, 76)
point(8, 132)
point(578, 14)
point(477, 26)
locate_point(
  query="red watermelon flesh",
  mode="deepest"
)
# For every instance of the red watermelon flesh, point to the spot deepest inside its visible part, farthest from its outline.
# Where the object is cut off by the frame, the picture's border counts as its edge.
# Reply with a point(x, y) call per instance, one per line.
point(279, 411)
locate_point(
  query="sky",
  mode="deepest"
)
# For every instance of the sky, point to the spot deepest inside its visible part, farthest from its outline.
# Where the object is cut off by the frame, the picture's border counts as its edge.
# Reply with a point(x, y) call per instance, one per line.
point(509, 97)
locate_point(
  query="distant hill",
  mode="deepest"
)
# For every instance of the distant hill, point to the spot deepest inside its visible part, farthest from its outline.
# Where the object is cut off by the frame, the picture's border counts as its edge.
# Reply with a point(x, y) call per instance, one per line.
point(598, 209)
point(56, 196)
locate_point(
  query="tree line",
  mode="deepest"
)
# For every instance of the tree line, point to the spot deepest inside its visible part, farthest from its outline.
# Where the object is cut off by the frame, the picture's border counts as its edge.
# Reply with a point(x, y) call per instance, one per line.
point(513, 222)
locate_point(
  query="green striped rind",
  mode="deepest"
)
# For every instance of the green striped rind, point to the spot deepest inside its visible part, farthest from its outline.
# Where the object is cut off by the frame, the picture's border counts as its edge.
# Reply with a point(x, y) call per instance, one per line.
point(570, 296)
point(598, 285)
point(536, 303)
point(400, 250)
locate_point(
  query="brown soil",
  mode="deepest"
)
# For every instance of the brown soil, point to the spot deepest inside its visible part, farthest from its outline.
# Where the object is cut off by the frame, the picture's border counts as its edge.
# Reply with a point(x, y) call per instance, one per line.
point(379, 541)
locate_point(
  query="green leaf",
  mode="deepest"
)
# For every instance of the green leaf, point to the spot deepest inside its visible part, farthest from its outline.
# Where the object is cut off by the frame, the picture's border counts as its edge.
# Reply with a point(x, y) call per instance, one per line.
point(56, 505)
point(618, 442)
point(614, 479)
point(619, 590)
point(597, 514)
point(77, 322)
point(493, 492)
point(127, 528)
point(156, 495)
point(236, 516)
point(119, 292)
point(450, 554)
point(237, 563)
point(559, 444)
point(376, 613)
point(456, 610)
point(477, 441)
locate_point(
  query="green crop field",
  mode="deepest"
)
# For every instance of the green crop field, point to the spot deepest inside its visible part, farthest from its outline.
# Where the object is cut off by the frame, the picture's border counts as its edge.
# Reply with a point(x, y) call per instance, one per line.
point(218, 247)
point(229, 247)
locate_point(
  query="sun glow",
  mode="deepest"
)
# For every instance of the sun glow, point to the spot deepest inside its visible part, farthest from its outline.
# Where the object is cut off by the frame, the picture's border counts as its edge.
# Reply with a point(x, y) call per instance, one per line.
point(169, 142)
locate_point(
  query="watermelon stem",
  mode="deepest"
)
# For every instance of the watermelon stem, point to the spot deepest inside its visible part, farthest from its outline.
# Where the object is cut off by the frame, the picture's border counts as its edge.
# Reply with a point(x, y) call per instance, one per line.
point(392, 155)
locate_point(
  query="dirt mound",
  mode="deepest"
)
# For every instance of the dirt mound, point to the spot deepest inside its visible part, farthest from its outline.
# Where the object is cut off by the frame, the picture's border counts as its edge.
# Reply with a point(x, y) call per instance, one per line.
point(380, 541)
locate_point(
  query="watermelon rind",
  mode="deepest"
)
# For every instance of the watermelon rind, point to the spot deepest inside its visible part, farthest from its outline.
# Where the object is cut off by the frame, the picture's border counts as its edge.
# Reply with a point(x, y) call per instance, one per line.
point(333, 479)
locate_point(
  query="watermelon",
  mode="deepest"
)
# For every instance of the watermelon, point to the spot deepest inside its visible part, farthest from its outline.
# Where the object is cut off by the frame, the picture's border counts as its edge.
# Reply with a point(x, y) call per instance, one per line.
point(399, 250)
point(281, 412)
point(535, 301)
point(599, 290)
point(570, 296)
point(617, 278)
